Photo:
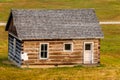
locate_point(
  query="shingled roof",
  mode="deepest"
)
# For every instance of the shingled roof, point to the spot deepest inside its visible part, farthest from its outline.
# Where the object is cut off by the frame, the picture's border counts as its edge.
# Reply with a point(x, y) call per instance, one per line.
point(56, 24)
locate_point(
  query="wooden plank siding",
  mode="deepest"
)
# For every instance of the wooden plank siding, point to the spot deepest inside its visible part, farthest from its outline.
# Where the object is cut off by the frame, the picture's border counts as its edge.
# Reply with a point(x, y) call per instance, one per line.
point(14, 51)
point(57, 56)
point(12, 28)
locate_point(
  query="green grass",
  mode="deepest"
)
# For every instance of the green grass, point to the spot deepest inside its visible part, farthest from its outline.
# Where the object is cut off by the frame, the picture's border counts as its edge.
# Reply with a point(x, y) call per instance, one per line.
point(111, 45)
point(107, 10)
point(108, 70)
point(6, 0)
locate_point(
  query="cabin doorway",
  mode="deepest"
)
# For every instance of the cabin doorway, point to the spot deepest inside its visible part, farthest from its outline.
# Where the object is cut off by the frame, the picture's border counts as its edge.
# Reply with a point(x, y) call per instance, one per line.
point(88, 52)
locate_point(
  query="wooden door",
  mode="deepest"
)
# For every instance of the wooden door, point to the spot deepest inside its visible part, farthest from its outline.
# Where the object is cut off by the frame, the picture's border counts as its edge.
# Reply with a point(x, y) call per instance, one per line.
point(88, 52)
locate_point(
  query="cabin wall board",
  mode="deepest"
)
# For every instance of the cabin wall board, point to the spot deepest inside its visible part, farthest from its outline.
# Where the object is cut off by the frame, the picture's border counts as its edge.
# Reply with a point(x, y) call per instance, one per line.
point(57, 55)
point(14, 51)
point(12, 28)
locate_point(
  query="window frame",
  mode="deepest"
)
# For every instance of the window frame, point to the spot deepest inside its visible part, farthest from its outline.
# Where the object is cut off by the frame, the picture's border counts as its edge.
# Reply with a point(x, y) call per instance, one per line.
point(47, 51)
point(71, 47)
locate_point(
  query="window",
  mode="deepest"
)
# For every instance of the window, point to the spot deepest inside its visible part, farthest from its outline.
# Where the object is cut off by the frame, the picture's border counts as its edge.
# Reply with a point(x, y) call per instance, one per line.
point(43, 51)
point(87, 46)
point(68, 46)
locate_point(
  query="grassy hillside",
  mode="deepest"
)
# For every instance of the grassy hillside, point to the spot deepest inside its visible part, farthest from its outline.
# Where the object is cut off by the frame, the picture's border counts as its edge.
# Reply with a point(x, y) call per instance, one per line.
point(107, 10)
point(109, 69)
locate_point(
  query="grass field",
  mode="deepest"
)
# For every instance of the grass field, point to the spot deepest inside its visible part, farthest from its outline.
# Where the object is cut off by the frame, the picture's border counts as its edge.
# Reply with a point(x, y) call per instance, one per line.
point(107, 10)
point(108, 70)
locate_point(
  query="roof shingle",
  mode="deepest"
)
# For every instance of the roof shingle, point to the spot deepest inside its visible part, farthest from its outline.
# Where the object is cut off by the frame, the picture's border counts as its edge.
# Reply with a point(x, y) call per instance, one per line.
point(56, 24)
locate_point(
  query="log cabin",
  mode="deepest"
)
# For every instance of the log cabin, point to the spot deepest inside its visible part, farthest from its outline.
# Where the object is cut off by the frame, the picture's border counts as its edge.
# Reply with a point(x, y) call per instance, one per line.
point(53, 38)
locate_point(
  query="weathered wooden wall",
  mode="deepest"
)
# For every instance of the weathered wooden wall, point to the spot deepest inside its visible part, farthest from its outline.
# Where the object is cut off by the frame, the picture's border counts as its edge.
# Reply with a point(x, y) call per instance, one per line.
point(12, 28)
point(56, 54)
point(14, 51)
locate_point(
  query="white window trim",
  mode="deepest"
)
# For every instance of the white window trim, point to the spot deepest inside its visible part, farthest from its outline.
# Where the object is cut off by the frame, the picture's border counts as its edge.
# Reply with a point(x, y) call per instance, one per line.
point(68, 50)
point(47, 51)
point(92, 50)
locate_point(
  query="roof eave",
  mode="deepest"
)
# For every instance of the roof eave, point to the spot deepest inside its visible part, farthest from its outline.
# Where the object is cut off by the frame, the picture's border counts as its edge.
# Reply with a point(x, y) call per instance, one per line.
point(63, 38)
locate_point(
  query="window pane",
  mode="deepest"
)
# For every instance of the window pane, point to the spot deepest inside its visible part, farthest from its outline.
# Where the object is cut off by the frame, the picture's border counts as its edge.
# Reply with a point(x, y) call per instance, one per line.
point(42, 54)
point(67, 46)
point(87, 46)
point(45, 47)
point(42, 47)
point(45, 55)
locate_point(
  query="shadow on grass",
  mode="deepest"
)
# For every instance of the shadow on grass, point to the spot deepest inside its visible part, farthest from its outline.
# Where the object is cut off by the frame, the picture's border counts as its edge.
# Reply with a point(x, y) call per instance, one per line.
point(101, 65)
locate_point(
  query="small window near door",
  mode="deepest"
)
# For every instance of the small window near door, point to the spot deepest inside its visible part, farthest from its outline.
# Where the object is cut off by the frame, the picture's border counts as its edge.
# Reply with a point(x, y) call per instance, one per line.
point(43, 51)
point(68, 46)
point(87, 46)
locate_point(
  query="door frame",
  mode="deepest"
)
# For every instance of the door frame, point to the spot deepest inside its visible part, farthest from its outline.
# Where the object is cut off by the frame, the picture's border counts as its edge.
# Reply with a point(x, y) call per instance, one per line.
point(92, 48)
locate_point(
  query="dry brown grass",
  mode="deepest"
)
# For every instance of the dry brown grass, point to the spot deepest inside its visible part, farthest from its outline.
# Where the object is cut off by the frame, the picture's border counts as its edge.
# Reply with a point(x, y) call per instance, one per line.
point(108, 70)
